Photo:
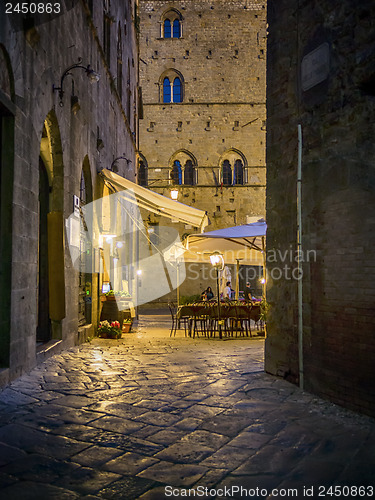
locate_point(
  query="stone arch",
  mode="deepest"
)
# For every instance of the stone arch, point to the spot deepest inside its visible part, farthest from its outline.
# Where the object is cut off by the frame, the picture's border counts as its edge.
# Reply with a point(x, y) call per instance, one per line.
point(51, 251)
point(235, 160)
point(188, 164)
point(53, 151)
point(174, 18)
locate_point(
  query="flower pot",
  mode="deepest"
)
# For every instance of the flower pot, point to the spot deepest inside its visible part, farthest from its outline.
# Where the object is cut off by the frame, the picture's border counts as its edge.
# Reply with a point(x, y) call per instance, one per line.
point(126, 327)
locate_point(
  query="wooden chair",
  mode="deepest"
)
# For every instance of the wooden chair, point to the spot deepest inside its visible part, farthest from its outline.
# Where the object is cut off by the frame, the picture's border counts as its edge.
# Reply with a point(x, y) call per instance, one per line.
point(176, 322)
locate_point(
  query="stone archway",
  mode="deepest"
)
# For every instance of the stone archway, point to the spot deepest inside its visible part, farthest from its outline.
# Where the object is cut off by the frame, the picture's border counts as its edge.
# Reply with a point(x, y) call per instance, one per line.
point(51, 251)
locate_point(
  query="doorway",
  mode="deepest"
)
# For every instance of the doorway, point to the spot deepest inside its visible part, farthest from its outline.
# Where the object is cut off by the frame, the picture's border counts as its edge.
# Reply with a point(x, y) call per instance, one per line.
point(43, 331)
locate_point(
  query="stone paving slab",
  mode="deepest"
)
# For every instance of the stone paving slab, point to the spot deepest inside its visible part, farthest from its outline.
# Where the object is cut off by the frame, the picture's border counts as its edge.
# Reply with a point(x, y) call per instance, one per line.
point(127, 418)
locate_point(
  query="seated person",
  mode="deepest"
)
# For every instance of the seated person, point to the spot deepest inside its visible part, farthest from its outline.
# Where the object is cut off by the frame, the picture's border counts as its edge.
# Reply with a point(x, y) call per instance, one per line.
point(209, 293)
point(248, 293)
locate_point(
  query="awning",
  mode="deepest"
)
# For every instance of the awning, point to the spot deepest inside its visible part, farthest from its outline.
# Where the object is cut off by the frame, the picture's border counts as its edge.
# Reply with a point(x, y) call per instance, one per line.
point(154, 202)
point(244, 243)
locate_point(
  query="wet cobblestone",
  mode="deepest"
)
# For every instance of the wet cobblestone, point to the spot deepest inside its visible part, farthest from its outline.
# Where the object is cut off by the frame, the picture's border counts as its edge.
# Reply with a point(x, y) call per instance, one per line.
point(125, 418)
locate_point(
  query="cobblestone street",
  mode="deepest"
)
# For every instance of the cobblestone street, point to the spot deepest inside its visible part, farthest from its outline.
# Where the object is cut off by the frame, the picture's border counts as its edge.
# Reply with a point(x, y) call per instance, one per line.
point(126, 418)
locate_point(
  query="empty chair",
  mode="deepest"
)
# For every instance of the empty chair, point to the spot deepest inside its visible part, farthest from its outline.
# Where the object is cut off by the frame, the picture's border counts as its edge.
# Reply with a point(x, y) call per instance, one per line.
point(177, 320)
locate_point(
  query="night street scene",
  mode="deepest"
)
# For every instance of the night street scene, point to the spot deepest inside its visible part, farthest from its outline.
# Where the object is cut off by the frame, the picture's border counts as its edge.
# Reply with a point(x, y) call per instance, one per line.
point(187, 263)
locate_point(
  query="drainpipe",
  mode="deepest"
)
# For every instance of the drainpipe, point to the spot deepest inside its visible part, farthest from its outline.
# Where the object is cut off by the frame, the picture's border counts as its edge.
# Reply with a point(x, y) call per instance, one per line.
point(299, 259)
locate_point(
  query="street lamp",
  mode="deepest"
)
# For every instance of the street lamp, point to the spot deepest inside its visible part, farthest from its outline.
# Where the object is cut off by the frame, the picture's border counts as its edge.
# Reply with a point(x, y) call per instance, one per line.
point(217, 261)
point(174, 194)
point(92, 75)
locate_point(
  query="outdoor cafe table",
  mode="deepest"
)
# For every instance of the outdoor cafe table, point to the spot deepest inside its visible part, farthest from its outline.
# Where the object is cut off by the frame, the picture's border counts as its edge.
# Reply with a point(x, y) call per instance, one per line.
point(209, 310)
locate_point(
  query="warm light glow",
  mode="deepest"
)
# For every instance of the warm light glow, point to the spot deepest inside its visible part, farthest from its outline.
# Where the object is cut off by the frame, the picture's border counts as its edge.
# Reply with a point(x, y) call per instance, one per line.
point(139, 272)
point(174, 194)
point(217, 260)
point(262, 280)
point(119, 244)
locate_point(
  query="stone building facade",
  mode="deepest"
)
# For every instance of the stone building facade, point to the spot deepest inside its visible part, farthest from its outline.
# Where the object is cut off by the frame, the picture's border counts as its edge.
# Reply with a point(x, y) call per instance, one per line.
point(52, 147)
point(321, 77)
point(202, 72)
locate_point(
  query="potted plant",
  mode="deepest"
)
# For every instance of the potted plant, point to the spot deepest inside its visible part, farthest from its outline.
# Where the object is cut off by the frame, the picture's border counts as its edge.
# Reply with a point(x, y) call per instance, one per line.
point(116, 294)
point(126, 326)
point(109, 330)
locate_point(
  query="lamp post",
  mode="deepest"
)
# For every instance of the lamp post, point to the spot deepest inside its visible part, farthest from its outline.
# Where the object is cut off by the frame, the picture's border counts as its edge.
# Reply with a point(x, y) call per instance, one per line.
point(218, 262)
point(92, 75)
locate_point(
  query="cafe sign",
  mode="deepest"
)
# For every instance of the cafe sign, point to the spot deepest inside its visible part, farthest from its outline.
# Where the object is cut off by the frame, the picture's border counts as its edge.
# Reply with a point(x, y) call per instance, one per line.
point(315, 67)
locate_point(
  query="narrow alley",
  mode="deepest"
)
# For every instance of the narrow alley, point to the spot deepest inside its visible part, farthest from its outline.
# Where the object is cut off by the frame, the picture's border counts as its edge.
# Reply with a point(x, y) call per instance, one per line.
point(149, 416)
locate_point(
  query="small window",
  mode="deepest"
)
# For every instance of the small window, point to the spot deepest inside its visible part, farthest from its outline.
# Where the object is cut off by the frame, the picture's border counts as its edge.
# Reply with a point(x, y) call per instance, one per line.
point(176, 174)
point(166, 90)
point(177, 90)
point(176, 29)
point(226, 173)
point(167, 29)
point(189, 173)
point(142, 174)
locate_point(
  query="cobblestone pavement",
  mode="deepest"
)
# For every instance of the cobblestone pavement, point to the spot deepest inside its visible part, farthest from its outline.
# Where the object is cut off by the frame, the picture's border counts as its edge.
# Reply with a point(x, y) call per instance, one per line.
point(124, 419)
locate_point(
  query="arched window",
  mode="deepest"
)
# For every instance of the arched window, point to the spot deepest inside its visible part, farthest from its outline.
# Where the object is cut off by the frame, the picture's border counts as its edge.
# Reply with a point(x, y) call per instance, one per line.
point(142, 174)
point(167, 29)
point(177, 90)
point(238, 172)
point(171, 85)
point(189, 173)
point(176, 173)
point(176, 28)
point(226, 173)
point(171, 24)
point(167, 94)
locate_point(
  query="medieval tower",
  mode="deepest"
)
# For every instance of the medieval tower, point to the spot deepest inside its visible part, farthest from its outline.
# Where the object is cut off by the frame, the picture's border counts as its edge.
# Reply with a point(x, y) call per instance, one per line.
point(202, 72)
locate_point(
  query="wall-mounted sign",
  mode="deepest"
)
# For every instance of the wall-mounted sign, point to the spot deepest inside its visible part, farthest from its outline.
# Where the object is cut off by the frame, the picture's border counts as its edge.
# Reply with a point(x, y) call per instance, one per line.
point(315, 67)
point(76, 204)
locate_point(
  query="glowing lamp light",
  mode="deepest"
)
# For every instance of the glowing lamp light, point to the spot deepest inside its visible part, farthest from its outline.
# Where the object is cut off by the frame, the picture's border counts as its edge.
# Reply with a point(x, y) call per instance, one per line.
point(119, 244)
point(174, 194)
point(139, 272)
point(262, 280)
point(217, 260)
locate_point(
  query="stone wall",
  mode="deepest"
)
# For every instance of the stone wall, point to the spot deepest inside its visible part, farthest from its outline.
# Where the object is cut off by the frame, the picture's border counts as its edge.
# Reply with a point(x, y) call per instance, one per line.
point(332, 96)
point(35, 57)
